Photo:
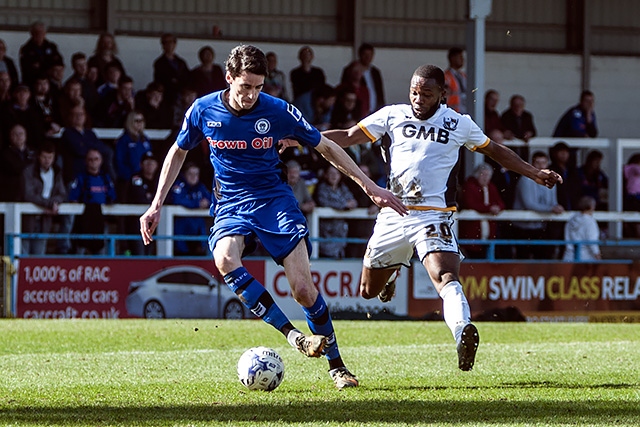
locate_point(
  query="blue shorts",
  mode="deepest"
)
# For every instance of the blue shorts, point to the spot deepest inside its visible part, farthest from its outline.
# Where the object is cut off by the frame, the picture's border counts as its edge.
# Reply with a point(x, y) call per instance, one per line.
point(278, 223)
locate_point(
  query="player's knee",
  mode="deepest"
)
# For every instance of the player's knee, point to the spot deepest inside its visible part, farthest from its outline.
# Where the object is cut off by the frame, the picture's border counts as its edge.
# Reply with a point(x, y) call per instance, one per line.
point(304, 294)
point(367, 292)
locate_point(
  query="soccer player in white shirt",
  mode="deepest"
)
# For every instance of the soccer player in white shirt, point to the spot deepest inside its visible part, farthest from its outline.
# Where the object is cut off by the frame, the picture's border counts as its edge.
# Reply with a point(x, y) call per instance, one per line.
point(425, 140)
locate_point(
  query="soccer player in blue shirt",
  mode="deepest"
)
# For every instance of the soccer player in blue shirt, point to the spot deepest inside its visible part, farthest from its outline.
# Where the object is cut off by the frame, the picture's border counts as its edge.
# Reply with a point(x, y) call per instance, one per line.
point(253, 200)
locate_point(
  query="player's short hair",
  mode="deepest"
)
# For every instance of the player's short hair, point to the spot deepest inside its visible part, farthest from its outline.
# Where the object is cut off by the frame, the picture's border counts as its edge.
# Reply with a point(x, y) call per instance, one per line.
point(246, 58)
point(430, 72)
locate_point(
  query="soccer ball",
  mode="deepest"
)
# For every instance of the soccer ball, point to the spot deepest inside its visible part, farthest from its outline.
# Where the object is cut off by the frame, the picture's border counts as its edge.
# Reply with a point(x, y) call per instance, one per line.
point(260, 368)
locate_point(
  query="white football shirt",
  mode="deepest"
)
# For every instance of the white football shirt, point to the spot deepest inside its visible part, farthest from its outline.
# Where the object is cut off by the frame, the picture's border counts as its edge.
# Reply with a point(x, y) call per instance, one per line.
point(423, 153)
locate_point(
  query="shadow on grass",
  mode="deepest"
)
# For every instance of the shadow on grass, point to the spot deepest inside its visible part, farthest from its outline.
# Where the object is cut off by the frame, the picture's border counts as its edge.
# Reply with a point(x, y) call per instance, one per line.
point(594, 412)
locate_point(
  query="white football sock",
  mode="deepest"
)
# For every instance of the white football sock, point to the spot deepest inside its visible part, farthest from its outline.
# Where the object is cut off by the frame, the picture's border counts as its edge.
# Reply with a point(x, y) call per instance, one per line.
point(455, 308)
point(292, 336)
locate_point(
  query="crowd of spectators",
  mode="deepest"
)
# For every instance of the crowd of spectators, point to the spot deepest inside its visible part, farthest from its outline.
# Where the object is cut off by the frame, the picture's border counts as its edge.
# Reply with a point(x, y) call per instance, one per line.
point(42, 116)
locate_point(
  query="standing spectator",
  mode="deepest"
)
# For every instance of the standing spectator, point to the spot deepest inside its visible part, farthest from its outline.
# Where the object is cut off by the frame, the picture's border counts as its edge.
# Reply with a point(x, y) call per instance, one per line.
point(593, 181)
point(275, 84)
point(115, 107)
point(207, 77)
point(140, 190)
point(94, 188)
point(533, 197)
point(371, 77)
point(631, 200)
point(131, 146)
point(149, 103)
point(481, 195)
point(105, 53)
point(42, 185)
point(81, 74)
point(582, 226)
point(192, 194)
point(493, 126)
point(456, 81)
point(333, 193)
point(518, 122)
point(580, 120)
point(7, 65)
point(299, 187)
point(306, 77)
point(14, 158)
point(170, 70)
point(37, 54)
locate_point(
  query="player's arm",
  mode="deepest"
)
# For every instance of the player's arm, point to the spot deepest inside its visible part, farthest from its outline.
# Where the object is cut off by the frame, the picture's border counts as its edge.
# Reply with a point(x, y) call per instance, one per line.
point(510, 160)
point(341, 160)
point(170, 168)
point(347, 137)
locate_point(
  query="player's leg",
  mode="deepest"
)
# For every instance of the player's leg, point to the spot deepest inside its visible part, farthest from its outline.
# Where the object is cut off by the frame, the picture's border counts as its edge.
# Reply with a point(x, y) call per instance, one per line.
point(227, 255)
point(378, 282)
point(443, 269)
point(296, 266)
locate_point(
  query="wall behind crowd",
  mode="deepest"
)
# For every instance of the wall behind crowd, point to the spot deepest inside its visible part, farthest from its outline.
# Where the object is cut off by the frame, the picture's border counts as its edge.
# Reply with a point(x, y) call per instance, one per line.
point(549, 82)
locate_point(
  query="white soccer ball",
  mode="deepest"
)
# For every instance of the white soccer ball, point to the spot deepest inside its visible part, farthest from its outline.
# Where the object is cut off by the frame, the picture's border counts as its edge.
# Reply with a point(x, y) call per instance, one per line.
point(260, 368)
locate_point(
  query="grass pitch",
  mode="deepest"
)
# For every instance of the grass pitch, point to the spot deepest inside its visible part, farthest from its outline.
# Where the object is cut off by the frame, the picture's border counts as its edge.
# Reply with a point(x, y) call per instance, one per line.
point(183, 373)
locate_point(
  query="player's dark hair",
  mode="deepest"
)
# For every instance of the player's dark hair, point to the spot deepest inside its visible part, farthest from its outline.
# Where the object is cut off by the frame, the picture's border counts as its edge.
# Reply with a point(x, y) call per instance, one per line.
point(430, 72)
point(246, 58)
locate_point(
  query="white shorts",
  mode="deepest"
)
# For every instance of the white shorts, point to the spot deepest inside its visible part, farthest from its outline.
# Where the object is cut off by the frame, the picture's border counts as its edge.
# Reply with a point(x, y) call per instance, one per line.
point(395, 237)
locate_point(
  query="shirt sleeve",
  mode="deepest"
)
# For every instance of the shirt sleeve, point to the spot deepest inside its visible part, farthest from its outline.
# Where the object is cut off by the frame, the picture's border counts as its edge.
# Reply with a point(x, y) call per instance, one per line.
point(190, 134)
point(301, 130)
point(376, 124)
point(476, 138)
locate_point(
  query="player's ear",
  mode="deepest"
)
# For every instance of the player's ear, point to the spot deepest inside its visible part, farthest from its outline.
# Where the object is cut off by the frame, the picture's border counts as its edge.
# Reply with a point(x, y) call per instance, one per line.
point(229, 78)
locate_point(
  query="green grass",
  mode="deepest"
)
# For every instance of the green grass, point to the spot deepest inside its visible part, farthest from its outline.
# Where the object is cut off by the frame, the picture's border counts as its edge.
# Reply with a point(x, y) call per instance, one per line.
point(182, 373)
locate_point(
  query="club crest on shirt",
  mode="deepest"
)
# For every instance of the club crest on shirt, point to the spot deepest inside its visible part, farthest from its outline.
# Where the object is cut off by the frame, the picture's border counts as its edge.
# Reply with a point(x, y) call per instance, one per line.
point(450, 123)
point(262, 126)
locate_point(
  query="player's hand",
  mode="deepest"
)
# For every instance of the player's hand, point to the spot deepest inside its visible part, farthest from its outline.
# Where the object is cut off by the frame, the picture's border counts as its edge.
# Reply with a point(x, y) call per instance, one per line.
point(148, 223)
point(385, 198)
point(283, 144)
point(548, 178)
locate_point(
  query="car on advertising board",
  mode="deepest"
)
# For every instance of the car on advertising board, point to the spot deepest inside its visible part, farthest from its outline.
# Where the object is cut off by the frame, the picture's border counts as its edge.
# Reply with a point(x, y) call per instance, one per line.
point(184, 291)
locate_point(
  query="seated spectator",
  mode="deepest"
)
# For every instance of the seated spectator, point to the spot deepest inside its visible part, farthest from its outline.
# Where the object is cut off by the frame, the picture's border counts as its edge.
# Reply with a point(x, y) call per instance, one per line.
point(7, 65)
point(81, 75)
point(533, 197)
point(42, 185)
point(105, 54)
point(275, 84)
point(6, 87)
point(170, 70)
point(593, 181)
point(112, 74)
point(131, 146)
point(299, 187)
point(55, 73)
point(345, 111)
point(189, 192)
point(580, 120)
point(15, 157)
point(149, 103)
point(71, 97)
point(493, 126)
point(481, 195)
point(37, 54)
point(517, 122)
point(333, 193)
point(76, 140)
point(94, 188)
point(207, 77)
point(321, 102)
point(141, 189)
point(115, 107)
point(187, 96)
point(43, 102)
point(582, 227)
point(21, 111)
